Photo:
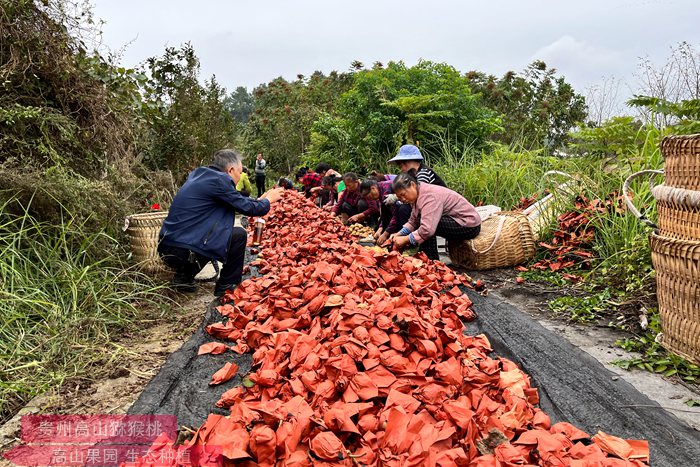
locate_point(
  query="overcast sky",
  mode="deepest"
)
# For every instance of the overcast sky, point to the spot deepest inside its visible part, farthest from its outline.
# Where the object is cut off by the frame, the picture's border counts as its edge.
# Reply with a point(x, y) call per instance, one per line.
point(245, 43)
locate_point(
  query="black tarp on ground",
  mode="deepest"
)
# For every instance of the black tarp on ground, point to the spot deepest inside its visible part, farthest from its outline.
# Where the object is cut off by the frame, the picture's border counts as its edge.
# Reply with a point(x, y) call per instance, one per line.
point(573, 386)
point(576, 388)
point(181, 387)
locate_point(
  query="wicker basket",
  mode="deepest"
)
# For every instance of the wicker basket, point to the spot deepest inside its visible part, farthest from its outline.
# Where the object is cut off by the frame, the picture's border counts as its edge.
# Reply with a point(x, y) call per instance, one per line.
point(142, 231)
point(677, 264)
point(682, 161)
point(679, 212)
point(505, 240)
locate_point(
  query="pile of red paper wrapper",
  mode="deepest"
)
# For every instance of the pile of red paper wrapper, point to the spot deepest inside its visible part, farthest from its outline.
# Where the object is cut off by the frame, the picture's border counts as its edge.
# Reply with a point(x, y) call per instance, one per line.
point(360, 358)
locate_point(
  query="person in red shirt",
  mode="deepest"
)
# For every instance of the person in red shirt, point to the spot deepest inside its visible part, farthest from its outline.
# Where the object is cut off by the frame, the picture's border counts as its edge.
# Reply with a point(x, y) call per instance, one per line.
point(312, 179)
point(391, 219)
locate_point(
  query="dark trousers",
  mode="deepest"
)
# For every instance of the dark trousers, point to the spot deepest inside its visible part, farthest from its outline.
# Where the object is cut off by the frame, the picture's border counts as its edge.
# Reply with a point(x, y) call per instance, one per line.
point(327, 196)
point(385, 216)
point(448, 228)
point(351, 210)
point(260, 184)
point(187, 264)
point(402, 214)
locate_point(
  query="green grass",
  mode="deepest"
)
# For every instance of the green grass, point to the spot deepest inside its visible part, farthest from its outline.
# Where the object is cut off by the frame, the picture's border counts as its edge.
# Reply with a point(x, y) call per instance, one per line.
point(653, 357)
point(64, 293)
point(506, 174)
point(584, 309)
point(621, 271)
point(501, 177)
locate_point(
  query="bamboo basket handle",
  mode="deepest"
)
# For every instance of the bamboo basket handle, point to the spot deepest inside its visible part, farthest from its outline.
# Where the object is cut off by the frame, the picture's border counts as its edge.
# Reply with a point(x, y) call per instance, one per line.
point(556, 172)
point(495, 238)
point(628, 200)
point(564, 188)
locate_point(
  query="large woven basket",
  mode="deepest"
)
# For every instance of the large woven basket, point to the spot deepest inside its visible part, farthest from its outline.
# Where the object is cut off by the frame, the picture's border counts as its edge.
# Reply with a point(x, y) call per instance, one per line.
point(677, 264)
point(505, 240)
point(678, 211)
point(142, 231)
point(682, 161)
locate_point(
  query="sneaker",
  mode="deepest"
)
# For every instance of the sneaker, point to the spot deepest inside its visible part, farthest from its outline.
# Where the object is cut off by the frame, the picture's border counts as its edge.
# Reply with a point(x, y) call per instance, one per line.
point(183, 287)
point(183, 283)
point(220, 290)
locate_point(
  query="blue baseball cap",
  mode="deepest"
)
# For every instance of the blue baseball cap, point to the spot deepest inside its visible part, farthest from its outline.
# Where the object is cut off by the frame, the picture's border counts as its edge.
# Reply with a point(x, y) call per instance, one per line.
point(408, 152)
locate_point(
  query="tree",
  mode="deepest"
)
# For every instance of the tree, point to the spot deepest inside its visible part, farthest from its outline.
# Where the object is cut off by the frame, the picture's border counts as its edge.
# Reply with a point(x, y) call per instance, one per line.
point(285, 112)
point(678, 79)
point(240, 104)
point(189, 121)
point(680, 117)
point(61, 104)
point(538, 108)
point(394, 105)
point(602, 101)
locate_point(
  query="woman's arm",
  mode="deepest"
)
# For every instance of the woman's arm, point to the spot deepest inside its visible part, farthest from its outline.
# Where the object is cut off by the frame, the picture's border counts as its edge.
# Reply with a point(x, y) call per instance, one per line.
point(431, 212)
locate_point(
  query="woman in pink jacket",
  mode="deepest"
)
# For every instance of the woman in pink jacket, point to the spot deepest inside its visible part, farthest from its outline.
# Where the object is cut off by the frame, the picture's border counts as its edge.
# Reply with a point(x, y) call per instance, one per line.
point(436, 211)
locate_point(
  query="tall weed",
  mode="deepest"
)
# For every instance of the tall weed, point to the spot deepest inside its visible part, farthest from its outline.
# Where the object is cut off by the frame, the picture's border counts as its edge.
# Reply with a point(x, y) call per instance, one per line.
point(501, 176)
point(59, 302)
point(506, 174)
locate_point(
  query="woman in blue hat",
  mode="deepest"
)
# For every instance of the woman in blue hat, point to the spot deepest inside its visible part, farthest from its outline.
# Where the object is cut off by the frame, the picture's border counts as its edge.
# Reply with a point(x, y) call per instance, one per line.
point(410, 160)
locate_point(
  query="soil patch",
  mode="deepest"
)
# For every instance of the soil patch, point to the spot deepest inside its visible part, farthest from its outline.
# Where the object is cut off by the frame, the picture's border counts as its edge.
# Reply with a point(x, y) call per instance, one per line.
point(136, 357)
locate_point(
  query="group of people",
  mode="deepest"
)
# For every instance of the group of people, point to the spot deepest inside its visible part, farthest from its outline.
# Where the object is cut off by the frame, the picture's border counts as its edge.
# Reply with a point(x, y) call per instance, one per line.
point(243, 185)
point(407, 210)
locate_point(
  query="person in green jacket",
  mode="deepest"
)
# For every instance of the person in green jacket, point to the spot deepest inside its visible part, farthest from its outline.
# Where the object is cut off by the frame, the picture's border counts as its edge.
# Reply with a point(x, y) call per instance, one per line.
point(243, 186)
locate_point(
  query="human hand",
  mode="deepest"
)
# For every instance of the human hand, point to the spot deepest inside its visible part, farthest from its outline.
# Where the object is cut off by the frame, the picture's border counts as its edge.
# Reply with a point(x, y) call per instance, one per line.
point(400, 242)
point(273, 195)
point(378, 233)
point(390, 199)
point(355, 218)
point(383, 238)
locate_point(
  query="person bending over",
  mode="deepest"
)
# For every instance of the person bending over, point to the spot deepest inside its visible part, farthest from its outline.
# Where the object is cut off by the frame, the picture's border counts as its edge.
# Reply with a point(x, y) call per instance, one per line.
point(331, 191)
point(380, 177)
point(436, 211)
point(243, 184)
point(351, 206)
point(199, 226)
point(312, 179)
point(285, 183)
point(391, 218)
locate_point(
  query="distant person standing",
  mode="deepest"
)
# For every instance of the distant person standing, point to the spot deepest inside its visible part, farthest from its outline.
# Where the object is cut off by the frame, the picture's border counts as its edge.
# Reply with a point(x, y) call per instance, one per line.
point(260, 174)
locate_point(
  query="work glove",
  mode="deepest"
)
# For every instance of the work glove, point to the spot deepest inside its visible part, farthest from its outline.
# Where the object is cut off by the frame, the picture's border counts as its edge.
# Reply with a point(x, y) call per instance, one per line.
point(391, 199)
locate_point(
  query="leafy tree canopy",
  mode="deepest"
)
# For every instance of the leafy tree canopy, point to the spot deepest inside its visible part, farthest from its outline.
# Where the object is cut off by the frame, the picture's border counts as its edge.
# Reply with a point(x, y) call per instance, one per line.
point(538, 107)
point(394, 105)
point(285, 112)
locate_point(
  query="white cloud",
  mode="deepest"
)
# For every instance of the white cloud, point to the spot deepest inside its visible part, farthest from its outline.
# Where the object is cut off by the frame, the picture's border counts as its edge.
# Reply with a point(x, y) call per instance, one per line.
point(248, 42)
point(580, 61)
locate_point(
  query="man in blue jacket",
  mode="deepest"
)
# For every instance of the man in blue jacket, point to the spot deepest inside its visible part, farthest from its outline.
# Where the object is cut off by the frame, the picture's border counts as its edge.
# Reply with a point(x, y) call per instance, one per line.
point(199, 227)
